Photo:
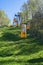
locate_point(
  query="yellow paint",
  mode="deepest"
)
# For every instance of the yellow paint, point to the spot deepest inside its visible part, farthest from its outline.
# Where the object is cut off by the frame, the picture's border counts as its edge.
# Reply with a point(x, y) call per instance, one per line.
point(23, 35)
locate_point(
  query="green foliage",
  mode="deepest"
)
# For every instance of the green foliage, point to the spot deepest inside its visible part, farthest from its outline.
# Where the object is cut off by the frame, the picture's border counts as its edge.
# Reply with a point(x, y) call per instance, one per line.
point(4, 20)
point(25, 12)
point(36, 25)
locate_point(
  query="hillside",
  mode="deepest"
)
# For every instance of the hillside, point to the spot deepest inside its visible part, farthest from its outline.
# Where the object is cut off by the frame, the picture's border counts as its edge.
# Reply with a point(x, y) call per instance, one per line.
point(17, 51)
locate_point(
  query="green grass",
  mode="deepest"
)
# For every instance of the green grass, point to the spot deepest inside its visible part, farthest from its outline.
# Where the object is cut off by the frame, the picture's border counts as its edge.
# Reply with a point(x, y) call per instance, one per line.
point(17, 51)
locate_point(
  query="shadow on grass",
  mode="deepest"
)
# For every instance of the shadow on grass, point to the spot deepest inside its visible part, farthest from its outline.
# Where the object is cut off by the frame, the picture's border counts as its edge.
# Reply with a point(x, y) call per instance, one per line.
point(11, 28)
point(37, 60)
point(34, 39)
point(26, 50)
point(6, 54)
point(14, 28)
point(10, 37)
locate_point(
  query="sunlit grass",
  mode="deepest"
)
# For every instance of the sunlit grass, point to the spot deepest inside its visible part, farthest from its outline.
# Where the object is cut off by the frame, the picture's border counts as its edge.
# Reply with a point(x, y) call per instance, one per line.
point(17, 51)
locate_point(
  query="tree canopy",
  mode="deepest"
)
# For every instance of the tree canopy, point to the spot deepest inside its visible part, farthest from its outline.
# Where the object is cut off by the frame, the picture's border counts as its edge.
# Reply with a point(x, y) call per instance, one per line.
point(4, 20)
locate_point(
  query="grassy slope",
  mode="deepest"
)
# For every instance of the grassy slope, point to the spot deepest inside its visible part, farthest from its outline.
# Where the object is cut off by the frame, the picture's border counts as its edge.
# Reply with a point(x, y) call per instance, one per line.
point(17, 51)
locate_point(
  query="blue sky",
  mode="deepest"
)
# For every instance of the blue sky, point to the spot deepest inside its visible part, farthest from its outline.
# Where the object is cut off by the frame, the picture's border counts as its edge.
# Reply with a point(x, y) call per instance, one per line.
point(11, 7)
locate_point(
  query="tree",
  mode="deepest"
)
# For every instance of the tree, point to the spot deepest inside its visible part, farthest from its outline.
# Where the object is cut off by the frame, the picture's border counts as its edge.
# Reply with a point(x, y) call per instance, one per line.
point(37, 16)
point(4, 20)
point(33, 8)
point(25, 11)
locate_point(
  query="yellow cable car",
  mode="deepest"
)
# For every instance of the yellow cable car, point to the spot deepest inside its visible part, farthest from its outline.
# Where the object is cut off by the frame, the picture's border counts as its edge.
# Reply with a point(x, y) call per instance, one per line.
point(15, 21)
point(23, 31)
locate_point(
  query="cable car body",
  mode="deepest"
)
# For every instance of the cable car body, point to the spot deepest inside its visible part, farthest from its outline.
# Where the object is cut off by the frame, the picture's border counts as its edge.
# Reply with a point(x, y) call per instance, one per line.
point(23, 31)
